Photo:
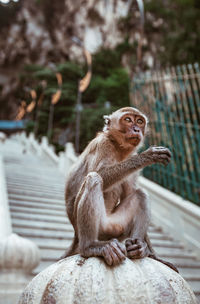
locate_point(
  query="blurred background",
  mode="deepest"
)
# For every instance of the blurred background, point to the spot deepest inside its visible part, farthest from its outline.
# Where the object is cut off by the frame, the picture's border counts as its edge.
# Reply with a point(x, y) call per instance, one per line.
point(63, 64)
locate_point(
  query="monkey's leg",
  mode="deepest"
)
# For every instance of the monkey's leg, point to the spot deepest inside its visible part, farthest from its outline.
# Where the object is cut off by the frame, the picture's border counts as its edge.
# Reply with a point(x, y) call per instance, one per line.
point(91, 216)
point(136, 245)
point(139, 245)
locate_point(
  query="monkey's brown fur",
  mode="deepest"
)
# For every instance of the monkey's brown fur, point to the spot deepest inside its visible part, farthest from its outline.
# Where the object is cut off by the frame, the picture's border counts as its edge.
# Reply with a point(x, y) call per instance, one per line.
point(104, 203)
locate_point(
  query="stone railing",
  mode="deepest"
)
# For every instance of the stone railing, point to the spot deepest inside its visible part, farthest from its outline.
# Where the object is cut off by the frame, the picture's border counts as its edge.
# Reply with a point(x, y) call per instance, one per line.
point(179, 217)
point(173, 213)
point(18, 256)
point(44, 150)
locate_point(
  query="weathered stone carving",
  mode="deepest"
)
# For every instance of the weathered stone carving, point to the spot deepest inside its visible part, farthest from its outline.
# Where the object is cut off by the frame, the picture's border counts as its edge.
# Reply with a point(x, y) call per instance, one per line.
point(78, 280)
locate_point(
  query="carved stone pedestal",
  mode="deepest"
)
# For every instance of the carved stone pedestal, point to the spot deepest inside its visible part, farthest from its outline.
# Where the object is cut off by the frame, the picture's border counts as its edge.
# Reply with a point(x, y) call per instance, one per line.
point(18, 257)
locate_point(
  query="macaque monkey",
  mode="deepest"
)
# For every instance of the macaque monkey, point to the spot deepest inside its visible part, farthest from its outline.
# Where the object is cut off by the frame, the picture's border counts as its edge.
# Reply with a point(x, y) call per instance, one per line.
point(104, 203)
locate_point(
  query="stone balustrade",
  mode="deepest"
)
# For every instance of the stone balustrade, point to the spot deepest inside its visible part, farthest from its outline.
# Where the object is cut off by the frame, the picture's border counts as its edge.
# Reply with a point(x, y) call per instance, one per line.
point(18, 256)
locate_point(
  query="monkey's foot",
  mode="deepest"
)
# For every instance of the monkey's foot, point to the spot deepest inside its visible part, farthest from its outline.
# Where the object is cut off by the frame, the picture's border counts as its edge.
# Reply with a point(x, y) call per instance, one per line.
point(136, 248)
point(164, 262)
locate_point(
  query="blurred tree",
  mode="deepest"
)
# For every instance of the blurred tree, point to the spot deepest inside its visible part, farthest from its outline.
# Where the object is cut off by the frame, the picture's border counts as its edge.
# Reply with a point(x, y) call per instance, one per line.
point(108, 84)
point(172, 33)
point(177, 27)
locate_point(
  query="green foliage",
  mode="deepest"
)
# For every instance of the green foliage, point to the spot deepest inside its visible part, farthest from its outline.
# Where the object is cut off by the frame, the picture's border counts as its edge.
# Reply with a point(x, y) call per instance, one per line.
point(179, 35)
point(91, 123)
point(114, 87)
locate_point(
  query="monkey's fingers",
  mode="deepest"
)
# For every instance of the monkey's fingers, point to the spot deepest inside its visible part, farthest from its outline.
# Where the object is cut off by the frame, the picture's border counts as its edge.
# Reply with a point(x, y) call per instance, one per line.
point(117, 250)
point(107, 255)
point(162, 158)
point(137, 254)
point(121, 246)
point(128, 242)
point(133, 247)
point(138, 250)
point(111, 256)
point(161, 150)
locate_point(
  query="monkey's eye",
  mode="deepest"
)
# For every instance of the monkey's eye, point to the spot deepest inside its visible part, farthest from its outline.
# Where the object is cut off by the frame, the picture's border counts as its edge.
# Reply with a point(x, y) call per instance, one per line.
point(128, 119)
point(139, 121)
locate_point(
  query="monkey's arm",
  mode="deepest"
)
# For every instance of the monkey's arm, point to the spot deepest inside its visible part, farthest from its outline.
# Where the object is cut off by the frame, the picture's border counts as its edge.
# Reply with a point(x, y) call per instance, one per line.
point(114, 173)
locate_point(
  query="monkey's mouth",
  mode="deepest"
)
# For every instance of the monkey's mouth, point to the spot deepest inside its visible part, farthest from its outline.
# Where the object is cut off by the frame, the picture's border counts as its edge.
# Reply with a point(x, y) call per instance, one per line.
point(135, 139)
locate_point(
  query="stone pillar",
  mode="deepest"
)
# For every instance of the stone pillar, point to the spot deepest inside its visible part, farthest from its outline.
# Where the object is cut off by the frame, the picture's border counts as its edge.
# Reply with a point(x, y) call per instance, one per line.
point(70, 157)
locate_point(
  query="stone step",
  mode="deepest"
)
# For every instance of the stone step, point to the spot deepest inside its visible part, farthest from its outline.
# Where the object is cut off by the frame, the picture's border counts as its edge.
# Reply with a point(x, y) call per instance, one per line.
point(60, 219)
point(20, 210)
point(52, 178)
point(38, 205)
point(184, 262)
point(44, 234)
point(52, 226)
point(191, 274)
point(33, 167)
point(37, 182)
point(195, 284)
point(36, 188)
point(30, 193)
point(48, 244)
point(166, 243)
point(174, 253)
point(23, 198)
point(159, 236)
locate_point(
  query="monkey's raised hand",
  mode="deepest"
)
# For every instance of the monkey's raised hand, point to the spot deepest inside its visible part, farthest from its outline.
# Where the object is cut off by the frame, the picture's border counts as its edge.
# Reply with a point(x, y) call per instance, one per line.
point(136, 248)
point(155, 155)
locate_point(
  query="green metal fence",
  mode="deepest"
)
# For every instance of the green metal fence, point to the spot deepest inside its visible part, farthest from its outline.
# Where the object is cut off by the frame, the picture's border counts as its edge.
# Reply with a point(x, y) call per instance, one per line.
point(171, 100)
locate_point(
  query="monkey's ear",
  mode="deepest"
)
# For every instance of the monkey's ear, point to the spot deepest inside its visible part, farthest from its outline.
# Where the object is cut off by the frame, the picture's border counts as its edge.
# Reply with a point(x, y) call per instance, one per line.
point(107, 120)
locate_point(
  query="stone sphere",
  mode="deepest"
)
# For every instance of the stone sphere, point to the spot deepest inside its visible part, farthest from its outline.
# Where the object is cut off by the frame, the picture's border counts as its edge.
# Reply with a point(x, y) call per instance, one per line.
point(17, 252)
point(90, 281)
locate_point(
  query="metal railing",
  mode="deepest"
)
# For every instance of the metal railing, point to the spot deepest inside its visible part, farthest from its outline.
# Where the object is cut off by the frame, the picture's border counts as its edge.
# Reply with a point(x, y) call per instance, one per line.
point(171, 100)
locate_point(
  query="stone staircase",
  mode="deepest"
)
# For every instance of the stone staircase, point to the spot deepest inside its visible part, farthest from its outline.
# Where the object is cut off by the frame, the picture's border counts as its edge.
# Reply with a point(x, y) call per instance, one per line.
point(36, 198)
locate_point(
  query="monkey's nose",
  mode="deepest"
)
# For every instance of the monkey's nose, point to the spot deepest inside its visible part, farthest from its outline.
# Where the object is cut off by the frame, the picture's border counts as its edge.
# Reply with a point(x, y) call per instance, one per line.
point(136, 129)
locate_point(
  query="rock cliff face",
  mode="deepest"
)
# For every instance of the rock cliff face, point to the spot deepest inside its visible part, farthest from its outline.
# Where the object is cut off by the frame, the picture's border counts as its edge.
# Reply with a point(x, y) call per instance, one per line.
point(42, 30)
point(39, 35)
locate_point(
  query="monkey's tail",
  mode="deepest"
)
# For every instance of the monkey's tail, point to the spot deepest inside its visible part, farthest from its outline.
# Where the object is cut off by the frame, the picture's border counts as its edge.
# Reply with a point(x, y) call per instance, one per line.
point(72, 250)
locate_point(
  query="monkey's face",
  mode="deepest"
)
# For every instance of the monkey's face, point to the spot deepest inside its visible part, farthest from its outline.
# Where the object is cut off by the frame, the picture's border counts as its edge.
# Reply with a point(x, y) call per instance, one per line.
point(126, 127)
point(133, 127)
